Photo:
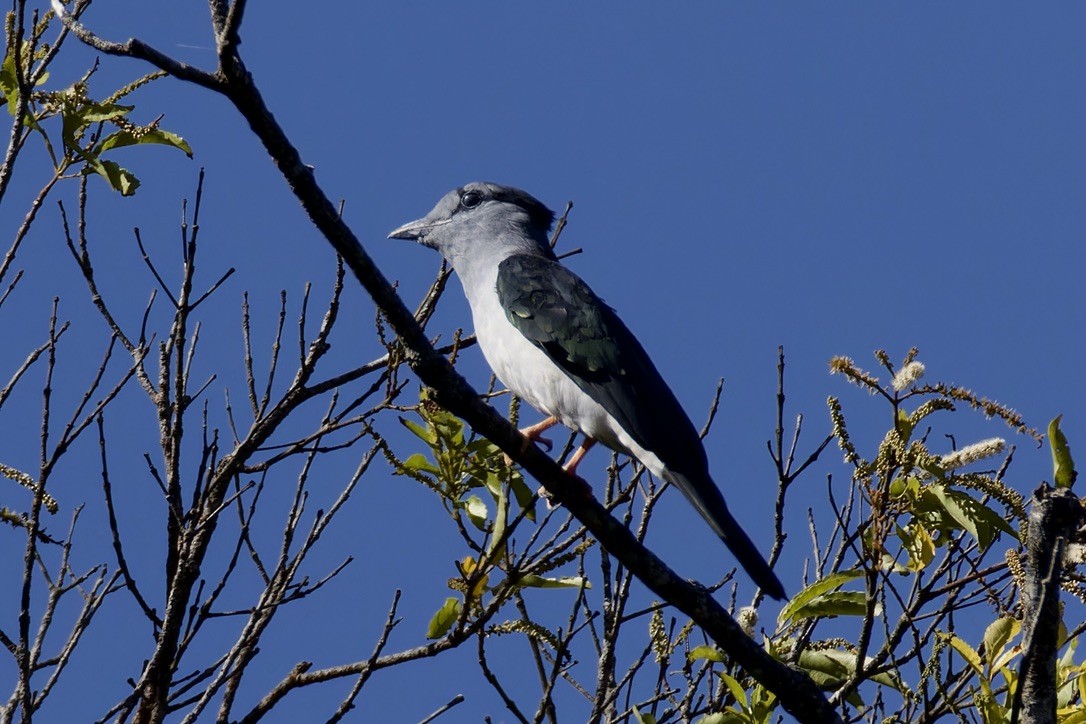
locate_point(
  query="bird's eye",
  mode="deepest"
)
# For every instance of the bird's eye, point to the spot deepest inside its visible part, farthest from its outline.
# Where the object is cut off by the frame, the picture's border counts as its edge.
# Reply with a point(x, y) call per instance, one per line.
point(471, 199)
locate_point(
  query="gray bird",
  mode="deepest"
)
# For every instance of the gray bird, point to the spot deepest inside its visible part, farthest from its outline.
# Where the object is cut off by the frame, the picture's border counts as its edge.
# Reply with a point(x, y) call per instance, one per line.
point(558, 346)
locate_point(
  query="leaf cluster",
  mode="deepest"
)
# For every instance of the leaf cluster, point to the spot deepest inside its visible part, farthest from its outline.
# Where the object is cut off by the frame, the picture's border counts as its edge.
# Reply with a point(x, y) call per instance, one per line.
point(89, 129)
point(477, 484)
point(913, 547)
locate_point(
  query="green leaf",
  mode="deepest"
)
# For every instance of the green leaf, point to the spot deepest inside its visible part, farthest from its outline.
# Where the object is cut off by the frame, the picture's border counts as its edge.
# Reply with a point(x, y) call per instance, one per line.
point(492, 483)
point(420, 463)
point(524, 495)
point(1081, 681)
point(482, 448)
point(918, 544)
point(991, 711)
point(722, 717)
point(1065, 692)
point(448, 427)
point(1000, 662)
point(797, 608)
point(1063, 466)
point(645, 718)
point(119, 179)
point(1068, 658)
point(497, 533)
point(476, 510)
point(451, 434)
point(76, 118)
point(736, 689)
point(8, 85)
point(909, 486)
point(996, 636)
point(708, 653)
point(762, 704)
point(838, 664)
point(10, 88)
point(92, 112)
point(1075, 716)
point(427, 435)
point(837, 603)
point(982, 522)
point(966, 651)
point(125, 137)
point(904, 425)
point(829, 669)
point(443, 620)
point(1010, 675)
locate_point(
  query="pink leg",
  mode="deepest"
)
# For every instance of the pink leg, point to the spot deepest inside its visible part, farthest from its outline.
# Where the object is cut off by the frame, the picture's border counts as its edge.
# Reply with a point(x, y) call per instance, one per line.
point(535, 432)
point(571, 466)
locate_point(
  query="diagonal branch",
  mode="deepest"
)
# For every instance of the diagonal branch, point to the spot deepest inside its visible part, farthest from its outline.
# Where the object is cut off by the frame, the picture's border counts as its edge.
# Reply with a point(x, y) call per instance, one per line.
point(134, 48)
point(797, 692)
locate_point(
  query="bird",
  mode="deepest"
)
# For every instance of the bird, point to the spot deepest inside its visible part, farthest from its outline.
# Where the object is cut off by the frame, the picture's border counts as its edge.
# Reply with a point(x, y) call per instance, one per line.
point(558, 346)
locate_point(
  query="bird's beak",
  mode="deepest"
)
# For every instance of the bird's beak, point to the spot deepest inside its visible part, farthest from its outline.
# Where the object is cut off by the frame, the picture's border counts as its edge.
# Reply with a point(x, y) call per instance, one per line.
point(418, 230)
point(411, 230)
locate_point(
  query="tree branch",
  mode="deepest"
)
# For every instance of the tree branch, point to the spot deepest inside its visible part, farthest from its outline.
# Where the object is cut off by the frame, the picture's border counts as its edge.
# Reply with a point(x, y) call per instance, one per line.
point(797, 693)
point(1054, 518)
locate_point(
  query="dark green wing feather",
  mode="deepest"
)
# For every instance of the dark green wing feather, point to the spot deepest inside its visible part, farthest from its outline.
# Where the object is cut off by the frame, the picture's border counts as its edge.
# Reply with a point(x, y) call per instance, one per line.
point(560, 314)
point(553, 308)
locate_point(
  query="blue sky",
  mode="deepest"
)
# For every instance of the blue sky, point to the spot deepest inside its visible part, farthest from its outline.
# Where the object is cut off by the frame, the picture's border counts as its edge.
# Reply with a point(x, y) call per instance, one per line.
point(831, 178)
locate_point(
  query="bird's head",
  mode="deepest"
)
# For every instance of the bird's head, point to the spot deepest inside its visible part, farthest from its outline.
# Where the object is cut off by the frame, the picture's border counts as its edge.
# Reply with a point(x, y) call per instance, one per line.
point(483, 221)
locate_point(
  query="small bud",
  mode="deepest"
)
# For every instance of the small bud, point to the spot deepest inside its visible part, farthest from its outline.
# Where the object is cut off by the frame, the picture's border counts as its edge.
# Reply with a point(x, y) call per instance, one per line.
point(972, 453)
point(747, 619)
point(908, 375)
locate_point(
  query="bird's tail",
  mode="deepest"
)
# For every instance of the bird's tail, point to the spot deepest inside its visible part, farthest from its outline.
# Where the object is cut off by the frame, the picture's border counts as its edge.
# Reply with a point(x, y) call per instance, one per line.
point(710, 503)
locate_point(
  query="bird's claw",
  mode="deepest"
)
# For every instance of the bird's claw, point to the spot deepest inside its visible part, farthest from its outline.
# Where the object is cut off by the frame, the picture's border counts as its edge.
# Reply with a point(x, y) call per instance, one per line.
point(546, 497)
point(535, 432)
point(527, 443)
point(584, 489)
point(545, 442)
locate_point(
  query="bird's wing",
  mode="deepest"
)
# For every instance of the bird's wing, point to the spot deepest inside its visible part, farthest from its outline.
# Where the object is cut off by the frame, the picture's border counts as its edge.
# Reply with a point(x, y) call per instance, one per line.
point(560, 314)
point(553, 308)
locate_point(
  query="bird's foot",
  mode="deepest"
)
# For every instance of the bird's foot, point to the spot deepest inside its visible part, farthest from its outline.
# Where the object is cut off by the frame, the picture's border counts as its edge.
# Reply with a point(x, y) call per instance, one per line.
point(584, 490)
point(571, 466)
point(534, 433)
point(571, 469)
point(545, 442)
point(546, 497)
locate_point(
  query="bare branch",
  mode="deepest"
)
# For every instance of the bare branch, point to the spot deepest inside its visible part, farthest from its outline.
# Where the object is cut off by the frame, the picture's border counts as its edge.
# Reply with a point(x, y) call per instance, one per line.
point(118, 549)
point(382, 641)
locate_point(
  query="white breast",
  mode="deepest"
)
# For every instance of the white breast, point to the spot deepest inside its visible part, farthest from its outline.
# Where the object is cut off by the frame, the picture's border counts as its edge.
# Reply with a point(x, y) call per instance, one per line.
point(530, 374)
